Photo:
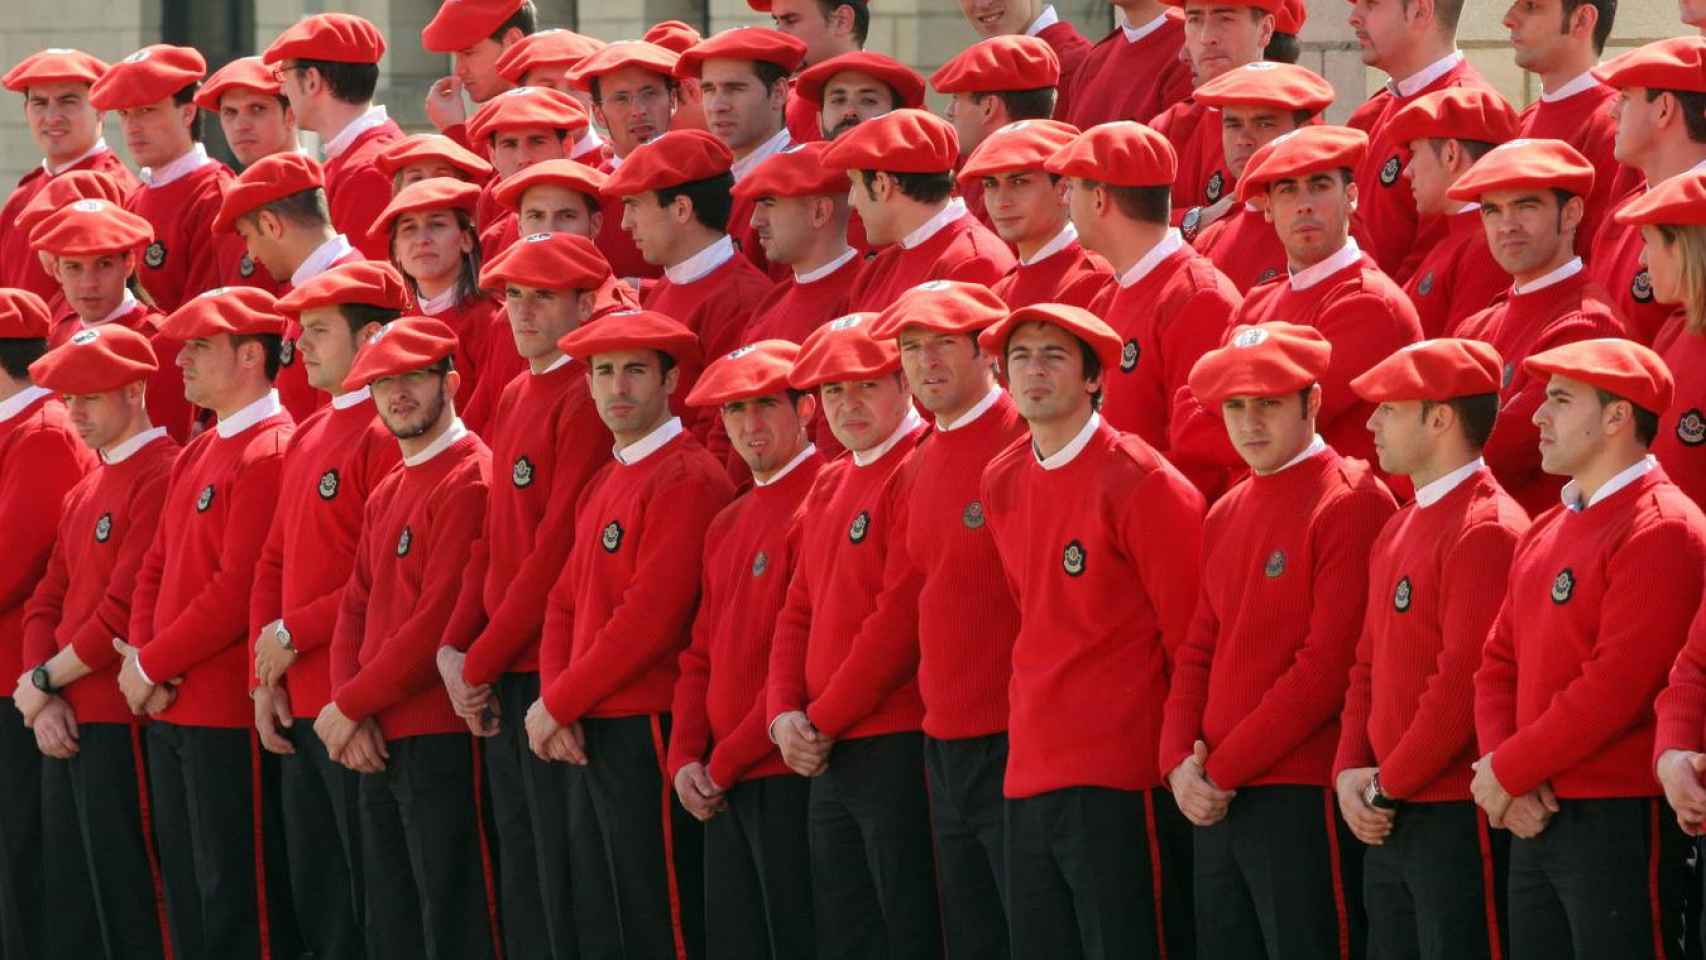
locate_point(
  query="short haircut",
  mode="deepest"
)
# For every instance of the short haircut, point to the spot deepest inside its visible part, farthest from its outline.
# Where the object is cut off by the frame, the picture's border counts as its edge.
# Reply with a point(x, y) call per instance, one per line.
point(1693, 104)
point(1447, 12)
point(187, 95)
point(526, 19)
point(272, 347)
point(305, 208)
point(1646, 421)
point(861, 16)
point(1035, 104)
point(1476, 414)
point(669, 86)
point(666, 363)
point(1602, 28)
point(922, 187)
point(1282, 48)
point(710, 198)
point(1473, 149)
point(769, 74)
point(1144, 204)
point(1092, 371)
point(359, 315)
point(348, 82)
point(16, 355)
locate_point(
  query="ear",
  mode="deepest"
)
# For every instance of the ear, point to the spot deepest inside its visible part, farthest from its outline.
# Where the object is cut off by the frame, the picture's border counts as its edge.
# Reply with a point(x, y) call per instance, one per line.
point(681, 209)
point(841, 20)
point(1584, 20)
point(1351, 196)
point(1265, 32)
point(1571, 214)
point(596, 220)
point(1063, 190)
point(50, 263)
point(586, 302)
point(452, 384)
point(671, 380)
point(1312, 409)
point(186, 113)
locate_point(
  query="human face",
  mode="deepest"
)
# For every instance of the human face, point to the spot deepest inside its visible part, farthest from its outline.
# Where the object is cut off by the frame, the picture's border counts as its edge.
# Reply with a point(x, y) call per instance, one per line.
point(873, 204)
point(652, 225)
point(550, 208)
point(948, 372)
point(62, 122)
point(516, 150)
point(1246, 129)
point(327, 347)
point(214, 369)
point(632, 391)
point(1268, 431)
point(1401, 437)
point(786, 226)
point(1663, 260)
point(157, 133)
point(415, 173)
point(739, 109)
point(1637, 124)
point(539, 317)
point(429, 245)
point(1692, 12)
point(1045, 374)
point(1383, 29)
point(1429, 175)
point(1220, 36)
point(1526, 230)
point(256, 125)
point(767, 431)
point(1536, 33)
point(477, 67)
point(1572, 425)
point(864, 413)
point(804, 20)
point(993, 18)
point(974, 119)
point(102, 419)
point(1027, 207)
point(850, 98)
point(94, 285)
point(1312, 215)
point(413, 403)
point(634, 106)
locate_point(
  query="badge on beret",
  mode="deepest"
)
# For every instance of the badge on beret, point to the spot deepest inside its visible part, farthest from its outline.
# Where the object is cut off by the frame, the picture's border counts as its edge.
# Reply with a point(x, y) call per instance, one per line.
point(1268, 274)
point(739, 352)
point(1250, 337)
point(1128, 356)
point(522, 475)
point(91, 205)
point(205, 500)
point(1642, 288)
point(1427, 285)
point(1276, 564)
point(404, 541)
point(760, 563)
point(1691, 428)
point(1563, 585)
point(612, 538)
point(104, 528)
point(1072, 559)
point(286, 352)
point(155, 255)
point(246, 267)
point(972, 515)
point(846, 323)
point(86, 336)
point(1216, 184)
point(328, 486)
point(139, 56)
point(1389, 171)
point(861, 526)
point(1401, 596)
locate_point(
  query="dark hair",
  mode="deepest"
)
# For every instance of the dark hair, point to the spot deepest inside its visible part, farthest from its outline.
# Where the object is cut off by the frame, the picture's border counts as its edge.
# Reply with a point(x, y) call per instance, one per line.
point(305, 208)
point(1607, 10)
point(16, 355)
point(468, 277)
point(1036, 104)
point(187, 95)
point(1301, 117)
point(1693, 105)
point(669, 88)
point(710, 198)
point(1447, 12)
point(1646, 421)
point(922, 187)
point(349, 82)
point(1476, 414)
point(1282, 48)
point(666, 363)
point(272, 347)
point(1303, 397)
point(1092, 371)
point(861, 16)
point(1144, 204)
point(526, 19)
point(1473, 149)
point(769, 74)
point(359, 315)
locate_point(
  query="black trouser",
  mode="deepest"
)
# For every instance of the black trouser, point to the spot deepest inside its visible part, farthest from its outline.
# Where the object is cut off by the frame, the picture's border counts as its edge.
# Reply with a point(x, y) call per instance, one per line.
point(1606, 878)
point(422, 857)
point(515, 858)
point(323, 839)
point(20, 836)
point(563, 896)
point(967, 817)
point(1280, 877)
point(758, 873)
point(873, 879)
point(1083, 875)
point(631, 840)
point(1435, 890)
point(101, 871)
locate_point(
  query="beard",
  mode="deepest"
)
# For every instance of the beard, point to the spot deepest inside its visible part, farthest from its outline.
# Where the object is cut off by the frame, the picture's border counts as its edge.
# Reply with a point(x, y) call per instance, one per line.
point(432, 411)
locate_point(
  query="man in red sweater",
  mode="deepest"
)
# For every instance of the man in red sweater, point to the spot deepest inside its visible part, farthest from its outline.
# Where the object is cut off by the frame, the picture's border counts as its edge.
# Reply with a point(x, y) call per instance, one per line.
point(253, 113)
point(846, 718)
point(1531, 194)
point(517, 129)
point(475, 34)
point(799, 211)
point(1252, 718)
point(186, 661)
point(1031, 19)
point(93, 777)
point(552, 196)
point(1436, 579)
point(849, 89)
point(1602, 589)
point(829, 28)
point(758, 892)
point(616, 620)
point(991, 84)
point(423, 847)
point(1135, 72)
point(335, 460)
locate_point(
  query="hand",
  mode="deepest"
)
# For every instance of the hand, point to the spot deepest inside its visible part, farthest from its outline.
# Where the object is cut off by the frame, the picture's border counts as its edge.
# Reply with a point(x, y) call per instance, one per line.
point(56, 730)
point(1529, 814)
point(1371, 825)
point(469, 702)
point(162, 697)
point(1215, 211)
point(271, 657)
point(1202, 803)
point(334, 730)
point(1679, 773)
point(1489, 794)
point(444, 105)
point(553, 741)
point(366, 752)
point(698, 792)
point(804, 749)
point(272, 711)
point(28, 699)
point(137, 691)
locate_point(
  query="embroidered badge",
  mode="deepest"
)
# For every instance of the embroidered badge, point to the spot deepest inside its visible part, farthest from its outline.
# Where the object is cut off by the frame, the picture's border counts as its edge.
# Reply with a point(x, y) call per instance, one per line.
point(612, 538)
point(522, 474)
point(205, 500)
point(1401, 596)
point(760, 563)
point(328, 486)
point(83, 337)
point(286, 352)
point(1128, 356)
point(155, 255)
point(1427, 285)
point(1248, 337)
point(972, 515)
point(861, 526)
point(405, 541)
point(1276, 564)
point(246, 267)
point(1267, 275)
point(1389, 171)
point(1642, 288)
point(103, 528)
point(1072, 559)
point(1563, 586)
point(1691, 428)
point(1216, 184)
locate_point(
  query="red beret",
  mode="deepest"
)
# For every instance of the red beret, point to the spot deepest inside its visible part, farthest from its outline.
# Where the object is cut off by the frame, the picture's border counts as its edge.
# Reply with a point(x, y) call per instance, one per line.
point(1290, 17)
point(795, 172)
point(68, 187)
point(23, 315)
point(1020, 145)
point(86, 227)
point(1526, 164)
point(571, 174)
point(54, 65)
point(434, 193)
point(460, 24)
point(96, 360)
point(430, 148)
point(1613, 364)
point(904, 141)
point(338, 37)
point(236, 310)
point(621, 55)
point(149, 75)
point(632, 330)
point(270, 178)
point(243, 73)
point(902, 79)
point(1282, 86)
point(1456, 113)
point(1264, 360)
point(843, 350)
point(1675, 64)
point(673, 35)
point(402, 346)
point(1124, 153)
point(1007, 62)
point(372, 282)
point(756, 370)
point(679, 156)
point(1081, 323)
point(549, 261)
point(941, 306)
point(1433, 370)
point(742, 43)
point(557, 48)
point(526, 107)
point(1677, 201)
point(1300, 153)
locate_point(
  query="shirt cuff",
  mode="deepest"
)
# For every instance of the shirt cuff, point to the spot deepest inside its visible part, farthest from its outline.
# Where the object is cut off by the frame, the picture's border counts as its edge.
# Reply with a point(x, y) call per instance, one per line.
point(141, 672)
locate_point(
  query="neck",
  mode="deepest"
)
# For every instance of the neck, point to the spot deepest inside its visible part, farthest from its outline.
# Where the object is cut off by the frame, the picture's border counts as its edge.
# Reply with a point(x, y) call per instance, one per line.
point(433, 286)
point(182, 151)
point(542, 363)
point(692, 239)
point(1674, 154)
point(1051, 435)
point(240, 398)
point(139, 424)
point(71, 153)
point(1429, 48)
point(826, 245)
point(1137, 13)
point(912, 215)
point(1029, 246)
point(1297, 264)
point(1607, 465)
point(1454, 456)
point(10, 388)
point(1561, 257)
point(1572, 64)
point(783, 458)
point(760, 140)
point(626, 439)
point(1123, 246)
point(301, 244)
point(974, 398)
point(335, 115)
point(415, 445)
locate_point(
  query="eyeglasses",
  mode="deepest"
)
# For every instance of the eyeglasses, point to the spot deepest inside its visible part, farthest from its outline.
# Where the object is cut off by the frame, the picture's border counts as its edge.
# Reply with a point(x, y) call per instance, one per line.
point(279, 72)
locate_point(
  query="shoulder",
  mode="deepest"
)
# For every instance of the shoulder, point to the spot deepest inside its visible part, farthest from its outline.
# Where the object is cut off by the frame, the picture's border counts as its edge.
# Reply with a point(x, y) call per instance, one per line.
point(1371, 111)
point(268, 443)
point(1354, 485)
point(1203, 280)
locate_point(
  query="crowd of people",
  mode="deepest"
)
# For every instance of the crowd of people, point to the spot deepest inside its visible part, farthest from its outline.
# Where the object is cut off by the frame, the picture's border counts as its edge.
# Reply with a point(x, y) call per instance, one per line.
point(700, 503)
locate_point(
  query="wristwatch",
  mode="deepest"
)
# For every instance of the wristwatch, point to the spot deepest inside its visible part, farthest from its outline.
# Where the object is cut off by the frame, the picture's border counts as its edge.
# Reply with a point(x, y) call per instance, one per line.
point(1190, 224)
point(1374, 798)
point(283, 636)
point(42, 680)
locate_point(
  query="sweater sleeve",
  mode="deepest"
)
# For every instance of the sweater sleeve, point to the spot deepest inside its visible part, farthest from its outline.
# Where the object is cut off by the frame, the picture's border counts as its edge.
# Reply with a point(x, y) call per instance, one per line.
point(785, 685)
point(361, 195)
point(690, 734)
point(311, 623)
point(351, 625)
point(1355, 749)
point(1195, 329)
point(1187, 693)
point(147, 593)
point(743, 749)
point(41, 468)
point(46, 607)
point(1681, 708)
point(93, 640)
point(1162, 530)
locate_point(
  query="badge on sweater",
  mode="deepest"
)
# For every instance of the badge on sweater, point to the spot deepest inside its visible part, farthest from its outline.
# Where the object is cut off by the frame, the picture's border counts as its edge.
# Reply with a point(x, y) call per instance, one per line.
point(328, 486)
point(1276, 564)
point(1268, 274)
point(1642, 288)
point(1401, 596)
point(205, 500)
point(1691, 428)
point(1216, 185)
point(1427, 285)
point(155, 255)
point(246, 267)
point(760, 564)
point(1073, 559)
point(405, 541)
point(1563, 586)
point(861, 526)
point(286, 352)
point(522, 475)
point(972, 515)
point(1128, 356)
point(612, 538)
point(104, 528)
point(1390, 169)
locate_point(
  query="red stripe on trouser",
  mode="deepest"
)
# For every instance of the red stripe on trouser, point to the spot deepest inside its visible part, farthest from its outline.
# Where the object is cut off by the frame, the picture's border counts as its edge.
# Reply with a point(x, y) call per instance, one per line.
point(1657, 843)
point(259, 842)
point(1489, 890)
point(1153, 829)
point(669, 841)
point(485, 848)
point(1333, 863)
point(146, 807)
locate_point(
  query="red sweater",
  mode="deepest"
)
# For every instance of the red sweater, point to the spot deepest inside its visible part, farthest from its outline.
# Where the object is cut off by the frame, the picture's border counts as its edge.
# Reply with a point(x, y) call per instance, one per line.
point(167, 405)
point(357, 192)
point(1583, 120)
point(292, 383)
point(334, 462)
point(1583, 641)
point(792, 309)
point(1457, 278)
point(1244, 246)
point(1071, 274)
point(421, 522)
point(1681, 708)
point(1194, 130)
point(1519, 327)
point(1436, 579)
point(1071, 48)
point(19, 266)
point(1261, 676)
point(962, 249)
point(83, 601)
point(41, 458)
point(184, 259)
point(617, 244)
point(1681, 443)
point(801, 117)
point(719, 699)
point(485, 349)
point(1616, 263)
point(1121, 80)
point(622, 611)
point(822, 659)
point(1101, 554)
point(190, 611)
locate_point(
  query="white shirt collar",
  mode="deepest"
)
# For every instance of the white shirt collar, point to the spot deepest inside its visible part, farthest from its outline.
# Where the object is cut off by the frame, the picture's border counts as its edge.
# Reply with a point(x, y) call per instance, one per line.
point(1433, 492)
point(254, 413)
point(344, 401)
point(1565, 272)
point(1310, 276)
point(955, 209)
point(556, 364)
point(970, 416)
point(615, 160)
point(20, 401)
point(1469, 208)
point(1317, 446)
point(1572, 492)
point(124, 306)
point(912, 421)
point(54, 171)
point(451, 434)
point(649, 444)
point(1416, 82)
point(589, 141)
point(434, 305)
point(778, 142)
point(1073, 448)
point(355, 128)
point(702, 263)
point(1581, 84)
point(816, 274)
point(1047, 18)
point(799, 458)
point(190, 162)
point(120, 452)
point(1067, 236)
point(1134, 34)
point(321, 260)
point(1169, 242)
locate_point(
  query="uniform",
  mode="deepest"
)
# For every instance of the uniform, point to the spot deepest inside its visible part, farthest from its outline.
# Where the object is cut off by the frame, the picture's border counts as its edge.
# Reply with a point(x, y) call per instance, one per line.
point(1579, 113)
point(1061, 271)
point(1194, 130)
point(167, 406)
point(1617, 265)
point(19, 267)
point(356, 191)
point(1458, 277)
point(1244, 246)
point(485, 354)
point(181, 200)
point(952, 245)
point(1131, 74)
point(1682, 427)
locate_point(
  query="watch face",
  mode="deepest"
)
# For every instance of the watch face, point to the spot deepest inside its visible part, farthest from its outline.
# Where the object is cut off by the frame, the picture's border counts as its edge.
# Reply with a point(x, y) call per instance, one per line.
point(42, 680)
